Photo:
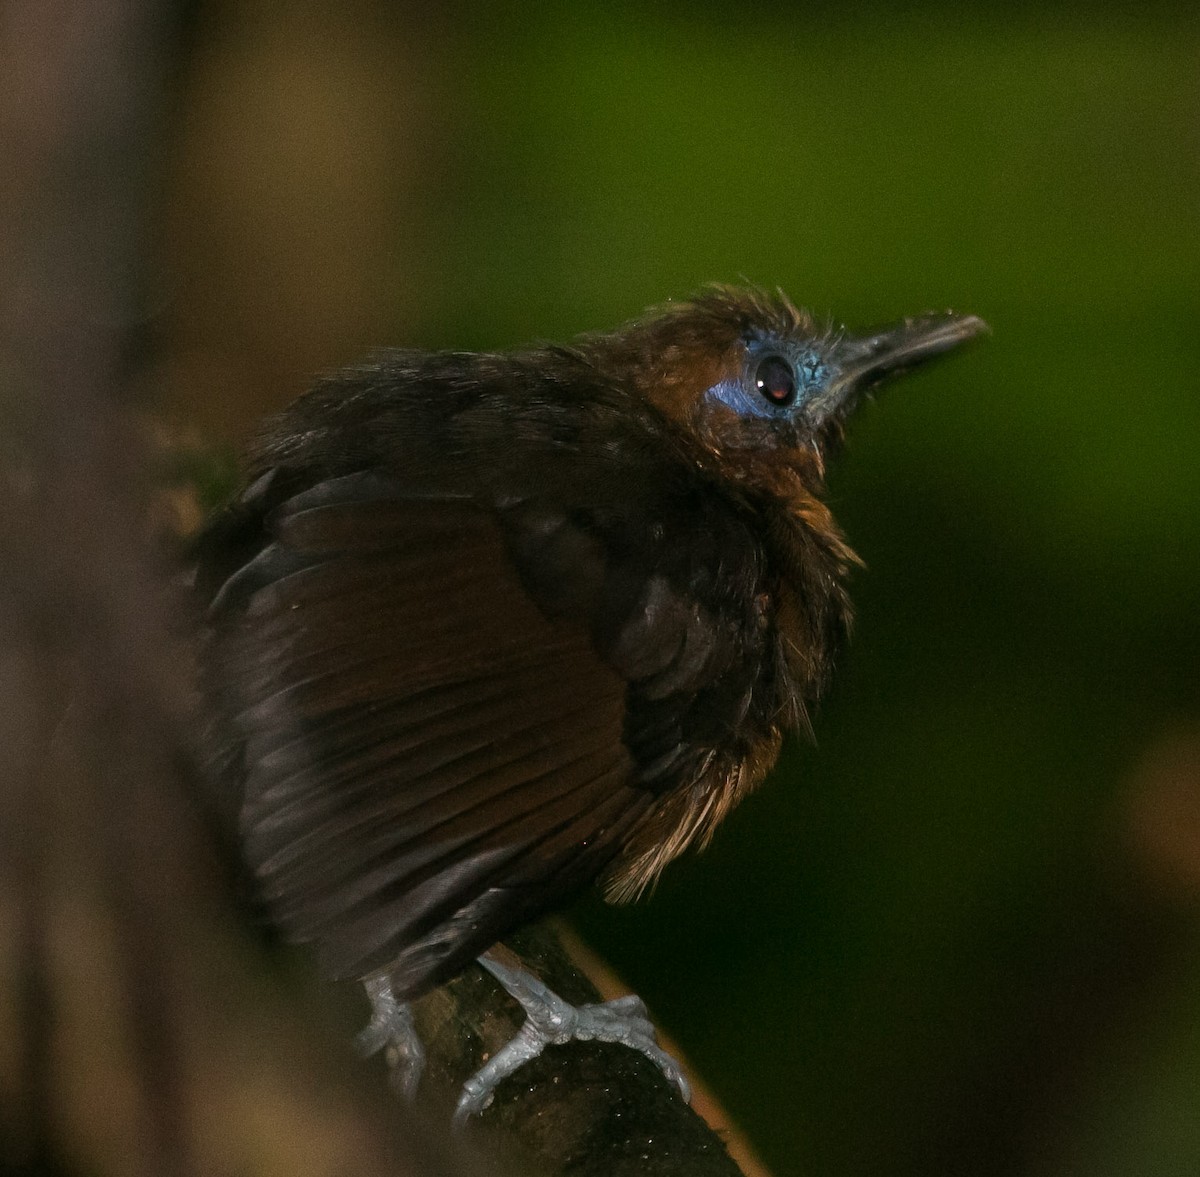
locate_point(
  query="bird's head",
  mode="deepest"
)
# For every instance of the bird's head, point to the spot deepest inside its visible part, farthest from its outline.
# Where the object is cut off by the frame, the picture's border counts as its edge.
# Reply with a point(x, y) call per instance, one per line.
point(756, 379)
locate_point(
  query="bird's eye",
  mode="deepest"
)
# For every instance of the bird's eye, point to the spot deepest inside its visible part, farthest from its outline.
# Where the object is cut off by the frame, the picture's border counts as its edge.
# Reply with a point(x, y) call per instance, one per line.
point(775, 380)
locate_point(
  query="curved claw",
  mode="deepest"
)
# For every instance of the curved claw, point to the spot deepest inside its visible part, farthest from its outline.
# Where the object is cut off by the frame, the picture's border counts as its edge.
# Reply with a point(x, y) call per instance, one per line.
point(479, 1090)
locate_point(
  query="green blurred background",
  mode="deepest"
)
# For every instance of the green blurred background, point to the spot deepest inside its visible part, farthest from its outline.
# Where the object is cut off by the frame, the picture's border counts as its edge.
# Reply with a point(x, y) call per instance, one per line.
point(959, 935)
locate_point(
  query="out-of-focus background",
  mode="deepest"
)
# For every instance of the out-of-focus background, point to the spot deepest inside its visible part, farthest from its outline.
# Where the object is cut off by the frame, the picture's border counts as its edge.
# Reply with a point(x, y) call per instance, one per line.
point(960, 934)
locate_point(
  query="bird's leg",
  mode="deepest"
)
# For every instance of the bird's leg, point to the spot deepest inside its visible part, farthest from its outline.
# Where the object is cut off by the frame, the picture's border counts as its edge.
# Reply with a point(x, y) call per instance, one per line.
point(551, 1021)
point(391, 1026)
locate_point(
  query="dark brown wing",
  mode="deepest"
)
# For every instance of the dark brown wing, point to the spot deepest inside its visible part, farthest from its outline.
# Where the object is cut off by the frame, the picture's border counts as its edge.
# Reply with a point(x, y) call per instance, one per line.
point(427, 756)
point(449, 711)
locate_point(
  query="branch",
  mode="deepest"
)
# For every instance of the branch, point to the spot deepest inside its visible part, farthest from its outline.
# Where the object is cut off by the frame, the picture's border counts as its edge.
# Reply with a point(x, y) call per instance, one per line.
point(585, 1108)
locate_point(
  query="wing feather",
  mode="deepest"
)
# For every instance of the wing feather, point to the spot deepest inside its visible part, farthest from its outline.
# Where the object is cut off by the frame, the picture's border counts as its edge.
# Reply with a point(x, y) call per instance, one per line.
point(416, 732)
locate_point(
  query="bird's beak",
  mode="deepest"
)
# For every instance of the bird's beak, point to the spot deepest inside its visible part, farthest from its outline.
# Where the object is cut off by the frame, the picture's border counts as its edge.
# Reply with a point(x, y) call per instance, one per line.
point(863, 361)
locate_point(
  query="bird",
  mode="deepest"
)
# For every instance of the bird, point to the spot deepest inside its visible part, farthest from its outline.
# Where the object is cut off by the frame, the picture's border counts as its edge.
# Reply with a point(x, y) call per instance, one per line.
point(481, 629)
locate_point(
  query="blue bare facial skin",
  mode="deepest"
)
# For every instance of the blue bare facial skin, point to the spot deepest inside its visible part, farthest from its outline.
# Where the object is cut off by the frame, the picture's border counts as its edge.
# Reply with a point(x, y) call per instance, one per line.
point(778, 379)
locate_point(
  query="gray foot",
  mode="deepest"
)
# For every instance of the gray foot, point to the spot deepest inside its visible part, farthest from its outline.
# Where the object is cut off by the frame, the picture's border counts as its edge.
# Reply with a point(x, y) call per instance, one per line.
point(391, 1026)
point(550, 1021)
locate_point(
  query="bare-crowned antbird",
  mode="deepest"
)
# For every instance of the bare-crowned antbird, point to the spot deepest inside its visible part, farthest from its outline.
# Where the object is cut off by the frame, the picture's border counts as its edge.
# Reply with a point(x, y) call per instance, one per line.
point(484, 628)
